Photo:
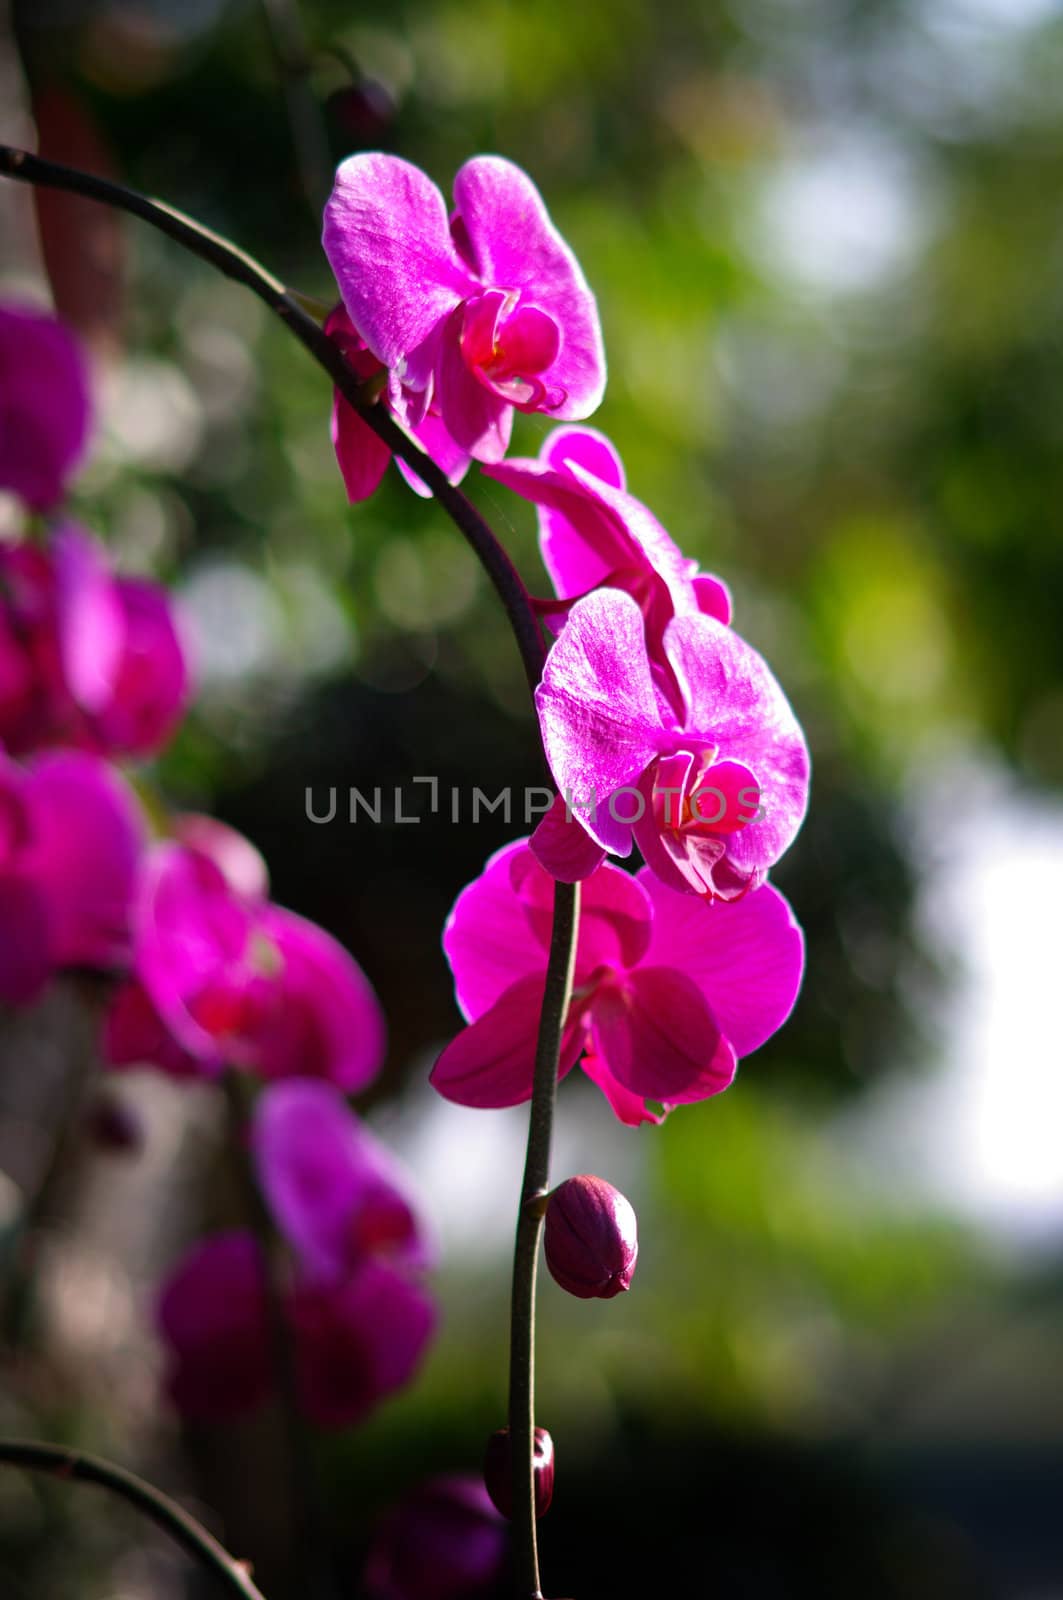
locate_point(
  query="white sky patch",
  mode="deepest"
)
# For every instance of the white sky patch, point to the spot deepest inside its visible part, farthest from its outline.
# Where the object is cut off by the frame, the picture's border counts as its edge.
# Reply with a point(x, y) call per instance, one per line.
point(983, 1132)
point(844, 215)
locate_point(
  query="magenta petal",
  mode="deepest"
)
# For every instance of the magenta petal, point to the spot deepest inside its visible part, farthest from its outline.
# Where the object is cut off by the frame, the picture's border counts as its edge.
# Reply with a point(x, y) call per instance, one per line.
point(477, 419)
point(134, 1035)
point(734, 702)
point(713, 597)
point(358, 1342)
point(597, 708)
point(333, 1191)
point(320, 1016)
point(362, 456)
point(515, 245)
point(746, 956)
point(656, 1034)
point(240, 864)
point(564, 846)
point(615, 913)
point(44, 405)
point(629, 1108)
point(387, 238)
point(152, 685)
point(444, 1541)
point(211, 1312)
point(89, 837)
point(434, 439)
point(491, 1062)
point(488, 939)
point(26, 939)
point(587, 448)
point(89, 618)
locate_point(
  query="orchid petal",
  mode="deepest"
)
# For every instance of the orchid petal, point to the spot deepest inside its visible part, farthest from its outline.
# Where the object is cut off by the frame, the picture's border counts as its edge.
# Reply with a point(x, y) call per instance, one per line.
point(488, 939)
point(746, 957)
point(629, 1108)
point(45, 405)
point(734, 702)
point(89, 618)
point(658, 1037)
point(515, 245)
point(387, 238)
point(88, 840)
point(564, 846)
point(491, 1063)
point(598, 710)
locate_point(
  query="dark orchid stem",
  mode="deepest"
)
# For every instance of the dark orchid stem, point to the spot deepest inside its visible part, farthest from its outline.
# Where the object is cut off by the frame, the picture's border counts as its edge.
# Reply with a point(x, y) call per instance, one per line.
point(242, 268)
point(310, 1554)
point(536, 1181)
point(232, 1576)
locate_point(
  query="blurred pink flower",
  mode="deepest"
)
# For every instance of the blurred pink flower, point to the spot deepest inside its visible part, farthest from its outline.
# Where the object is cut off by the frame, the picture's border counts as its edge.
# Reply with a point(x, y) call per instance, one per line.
point(223, 977)
point(335, 1192)
point(445, 1541)
point(71, 839)
point(86, 658)
point(473, 315)
point(669, 992)
point(45, 407)
point(357, 1312)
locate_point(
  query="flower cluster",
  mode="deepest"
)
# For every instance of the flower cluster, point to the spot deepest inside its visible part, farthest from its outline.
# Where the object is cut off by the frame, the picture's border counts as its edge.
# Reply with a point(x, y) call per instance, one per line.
point(356, 1311)
point(205, 974)
point(661, 725)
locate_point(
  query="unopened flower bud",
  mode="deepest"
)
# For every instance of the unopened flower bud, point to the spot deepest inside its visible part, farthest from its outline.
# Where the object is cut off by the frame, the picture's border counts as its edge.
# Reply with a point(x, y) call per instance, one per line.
point(591, 1238)
point(498, 1471)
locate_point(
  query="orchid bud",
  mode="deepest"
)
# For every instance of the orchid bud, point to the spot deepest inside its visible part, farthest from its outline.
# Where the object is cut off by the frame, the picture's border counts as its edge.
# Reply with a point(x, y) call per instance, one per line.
point(498, 1471)
point(591, 1238)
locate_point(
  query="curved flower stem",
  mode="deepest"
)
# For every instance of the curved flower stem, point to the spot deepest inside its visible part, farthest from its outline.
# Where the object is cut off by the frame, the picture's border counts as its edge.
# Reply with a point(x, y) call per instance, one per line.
point(242, 268)
point(556, 998)
point(232, 1575)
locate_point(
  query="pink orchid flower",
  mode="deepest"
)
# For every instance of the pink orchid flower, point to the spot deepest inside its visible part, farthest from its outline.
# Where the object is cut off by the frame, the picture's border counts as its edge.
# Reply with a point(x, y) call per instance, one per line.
point(71, 837)
point(335, 1192)
point(45, 408)
point(443, 1541)
point(593, 534)
point(358, 1314)
point(355, 1342)
point(473, 314)
point(223, 977)
point(706, 767)
point(92, 659)
point(668, 993)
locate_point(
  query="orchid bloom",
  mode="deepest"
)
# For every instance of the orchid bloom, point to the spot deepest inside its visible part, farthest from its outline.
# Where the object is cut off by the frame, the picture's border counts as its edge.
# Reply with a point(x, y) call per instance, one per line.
point(45, 407)
point(706, 767)
point(355, 1342)
point(358, 1313)
point(71, 837)
point(593, 534)
point(86, 657)
point(668, 992)
point(474, 314)
point(444, 1541)
point(336, 1194)
point(221, 976)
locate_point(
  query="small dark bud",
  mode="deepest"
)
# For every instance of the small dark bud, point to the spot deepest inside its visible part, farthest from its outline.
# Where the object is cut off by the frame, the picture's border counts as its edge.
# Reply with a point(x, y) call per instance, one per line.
point(362, 110)
point(591, 1238)
point(498, 1471)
